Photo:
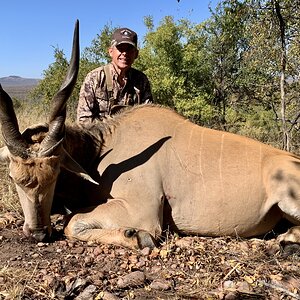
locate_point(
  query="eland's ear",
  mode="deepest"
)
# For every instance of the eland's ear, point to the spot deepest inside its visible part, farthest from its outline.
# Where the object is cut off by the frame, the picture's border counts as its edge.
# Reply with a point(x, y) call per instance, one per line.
point(68, 163)
point(4, 155)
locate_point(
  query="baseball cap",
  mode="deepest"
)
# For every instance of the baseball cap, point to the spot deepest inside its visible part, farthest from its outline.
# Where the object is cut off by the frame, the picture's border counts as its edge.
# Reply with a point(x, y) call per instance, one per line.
point(124, 36)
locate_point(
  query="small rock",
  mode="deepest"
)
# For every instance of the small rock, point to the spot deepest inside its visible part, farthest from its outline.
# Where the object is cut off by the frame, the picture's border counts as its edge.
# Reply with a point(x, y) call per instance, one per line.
point(76, 284)
point(62, 243)
point(35, 255)
point(83, 272)
point(141, 263)
point(146, 251)
point(184, 243)
point(192, 259)
point(232, 296)
point(87, 293)
point(71, 244)
point(90, 243)
point(132, 279)
point(97, 251)
point(19, 222)
point(243, 286)
point(98, 276)
point(106, 296)
point(78, 250)
point(133, 259)
point(48, 281)
point(160, 284)
point(123, 266)
point(88, 260)
point(121, 252)
point(228, 284)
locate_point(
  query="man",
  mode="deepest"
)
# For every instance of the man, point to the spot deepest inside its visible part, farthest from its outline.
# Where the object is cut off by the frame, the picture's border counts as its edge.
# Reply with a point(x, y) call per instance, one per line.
point(115, 85)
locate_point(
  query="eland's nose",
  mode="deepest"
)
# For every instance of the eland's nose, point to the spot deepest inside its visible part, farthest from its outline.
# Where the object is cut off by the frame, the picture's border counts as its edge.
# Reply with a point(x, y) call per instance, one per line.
point(40, 236)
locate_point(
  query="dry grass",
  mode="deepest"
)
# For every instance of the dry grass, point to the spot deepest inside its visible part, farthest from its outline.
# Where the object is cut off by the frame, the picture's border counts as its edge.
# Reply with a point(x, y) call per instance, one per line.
point(9, 199)
point(15, 280)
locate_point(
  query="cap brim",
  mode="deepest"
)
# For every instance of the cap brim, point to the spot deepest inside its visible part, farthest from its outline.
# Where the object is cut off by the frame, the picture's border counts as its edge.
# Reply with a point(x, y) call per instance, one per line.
point(126, 42)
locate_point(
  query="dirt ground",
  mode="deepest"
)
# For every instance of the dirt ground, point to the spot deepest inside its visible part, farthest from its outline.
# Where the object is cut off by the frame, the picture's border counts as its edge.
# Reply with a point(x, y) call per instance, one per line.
point(181, 268)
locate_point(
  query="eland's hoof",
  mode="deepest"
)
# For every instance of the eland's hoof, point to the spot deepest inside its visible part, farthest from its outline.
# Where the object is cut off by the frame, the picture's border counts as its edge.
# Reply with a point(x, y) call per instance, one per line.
point(145, 239)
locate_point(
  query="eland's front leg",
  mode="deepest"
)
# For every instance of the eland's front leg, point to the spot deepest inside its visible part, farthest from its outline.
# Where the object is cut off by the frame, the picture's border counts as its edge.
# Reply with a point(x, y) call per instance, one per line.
point(109, 223)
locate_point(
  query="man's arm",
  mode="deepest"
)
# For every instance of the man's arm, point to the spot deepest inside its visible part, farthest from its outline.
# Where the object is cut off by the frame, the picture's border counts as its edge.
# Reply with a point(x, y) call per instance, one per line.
point(88, 107)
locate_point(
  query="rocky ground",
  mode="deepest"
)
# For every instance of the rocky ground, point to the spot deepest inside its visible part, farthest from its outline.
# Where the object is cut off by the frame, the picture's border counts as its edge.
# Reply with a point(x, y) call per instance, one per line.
point(181, 268)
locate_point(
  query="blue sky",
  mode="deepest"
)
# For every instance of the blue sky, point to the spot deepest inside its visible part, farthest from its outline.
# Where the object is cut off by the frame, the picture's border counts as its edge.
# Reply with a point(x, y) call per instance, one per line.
point(31, 29)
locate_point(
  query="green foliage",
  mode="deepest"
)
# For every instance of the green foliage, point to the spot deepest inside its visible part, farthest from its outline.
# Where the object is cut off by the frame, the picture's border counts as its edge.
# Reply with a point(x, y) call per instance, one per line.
point(256, 122)
point(175, 60)
point(97, 53)
point(197, 110)
point(222, 73)
point(226, 45)
point(273, 60)
point(53, 77)
point(161, 59)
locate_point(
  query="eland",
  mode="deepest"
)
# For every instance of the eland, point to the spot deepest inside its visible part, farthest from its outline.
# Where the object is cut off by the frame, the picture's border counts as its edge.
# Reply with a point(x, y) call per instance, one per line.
point(127, 178)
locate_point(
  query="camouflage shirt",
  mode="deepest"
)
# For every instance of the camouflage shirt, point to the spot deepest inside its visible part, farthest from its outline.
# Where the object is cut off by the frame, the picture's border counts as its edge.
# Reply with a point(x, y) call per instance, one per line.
point(96, 100)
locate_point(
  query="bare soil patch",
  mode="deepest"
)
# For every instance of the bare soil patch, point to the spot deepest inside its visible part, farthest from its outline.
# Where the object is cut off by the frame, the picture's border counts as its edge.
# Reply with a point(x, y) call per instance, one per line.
point(182, 268)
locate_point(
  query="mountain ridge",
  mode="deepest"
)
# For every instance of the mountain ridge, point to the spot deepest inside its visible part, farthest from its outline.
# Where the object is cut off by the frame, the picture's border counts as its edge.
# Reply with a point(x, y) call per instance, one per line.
point(18, 81)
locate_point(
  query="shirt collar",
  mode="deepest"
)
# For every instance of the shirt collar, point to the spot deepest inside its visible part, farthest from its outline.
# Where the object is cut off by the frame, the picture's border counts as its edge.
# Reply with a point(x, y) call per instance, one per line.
point(115, 73)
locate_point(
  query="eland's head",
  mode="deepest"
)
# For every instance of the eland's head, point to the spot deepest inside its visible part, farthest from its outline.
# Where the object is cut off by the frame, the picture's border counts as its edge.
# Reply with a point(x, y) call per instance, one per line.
point(36, 156)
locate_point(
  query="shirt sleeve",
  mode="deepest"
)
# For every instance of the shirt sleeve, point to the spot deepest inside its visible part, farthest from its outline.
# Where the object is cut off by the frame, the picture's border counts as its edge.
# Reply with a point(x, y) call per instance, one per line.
point(88, 107)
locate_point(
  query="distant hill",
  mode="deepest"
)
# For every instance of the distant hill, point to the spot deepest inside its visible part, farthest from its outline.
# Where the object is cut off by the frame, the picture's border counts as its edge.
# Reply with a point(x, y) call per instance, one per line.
point(14, 81)
point(18, 87)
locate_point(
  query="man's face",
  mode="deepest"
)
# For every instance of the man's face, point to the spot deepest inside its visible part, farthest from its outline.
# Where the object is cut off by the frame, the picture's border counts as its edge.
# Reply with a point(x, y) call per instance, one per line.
point(123, 56)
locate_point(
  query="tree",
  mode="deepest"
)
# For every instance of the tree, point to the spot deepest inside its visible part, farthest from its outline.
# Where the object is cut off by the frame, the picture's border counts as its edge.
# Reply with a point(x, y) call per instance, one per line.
point(98, 51)
point(53, 77)
point(175, 60)
point(226, 45)
point(161, 59)
point(274, 54)
point(92, 57)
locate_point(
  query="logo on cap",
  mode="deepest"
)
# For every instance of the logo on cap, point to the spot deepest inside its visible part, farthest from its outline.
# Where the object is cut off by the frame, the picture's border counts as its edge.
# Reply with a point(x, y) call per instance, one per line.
point(126, 33)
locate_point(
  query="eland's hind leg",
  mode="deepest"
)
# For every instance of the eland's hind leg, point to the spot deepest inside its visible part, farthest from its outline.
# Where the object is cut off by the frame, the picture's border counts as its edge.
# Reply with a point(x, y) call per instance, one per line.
point(287, 191)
